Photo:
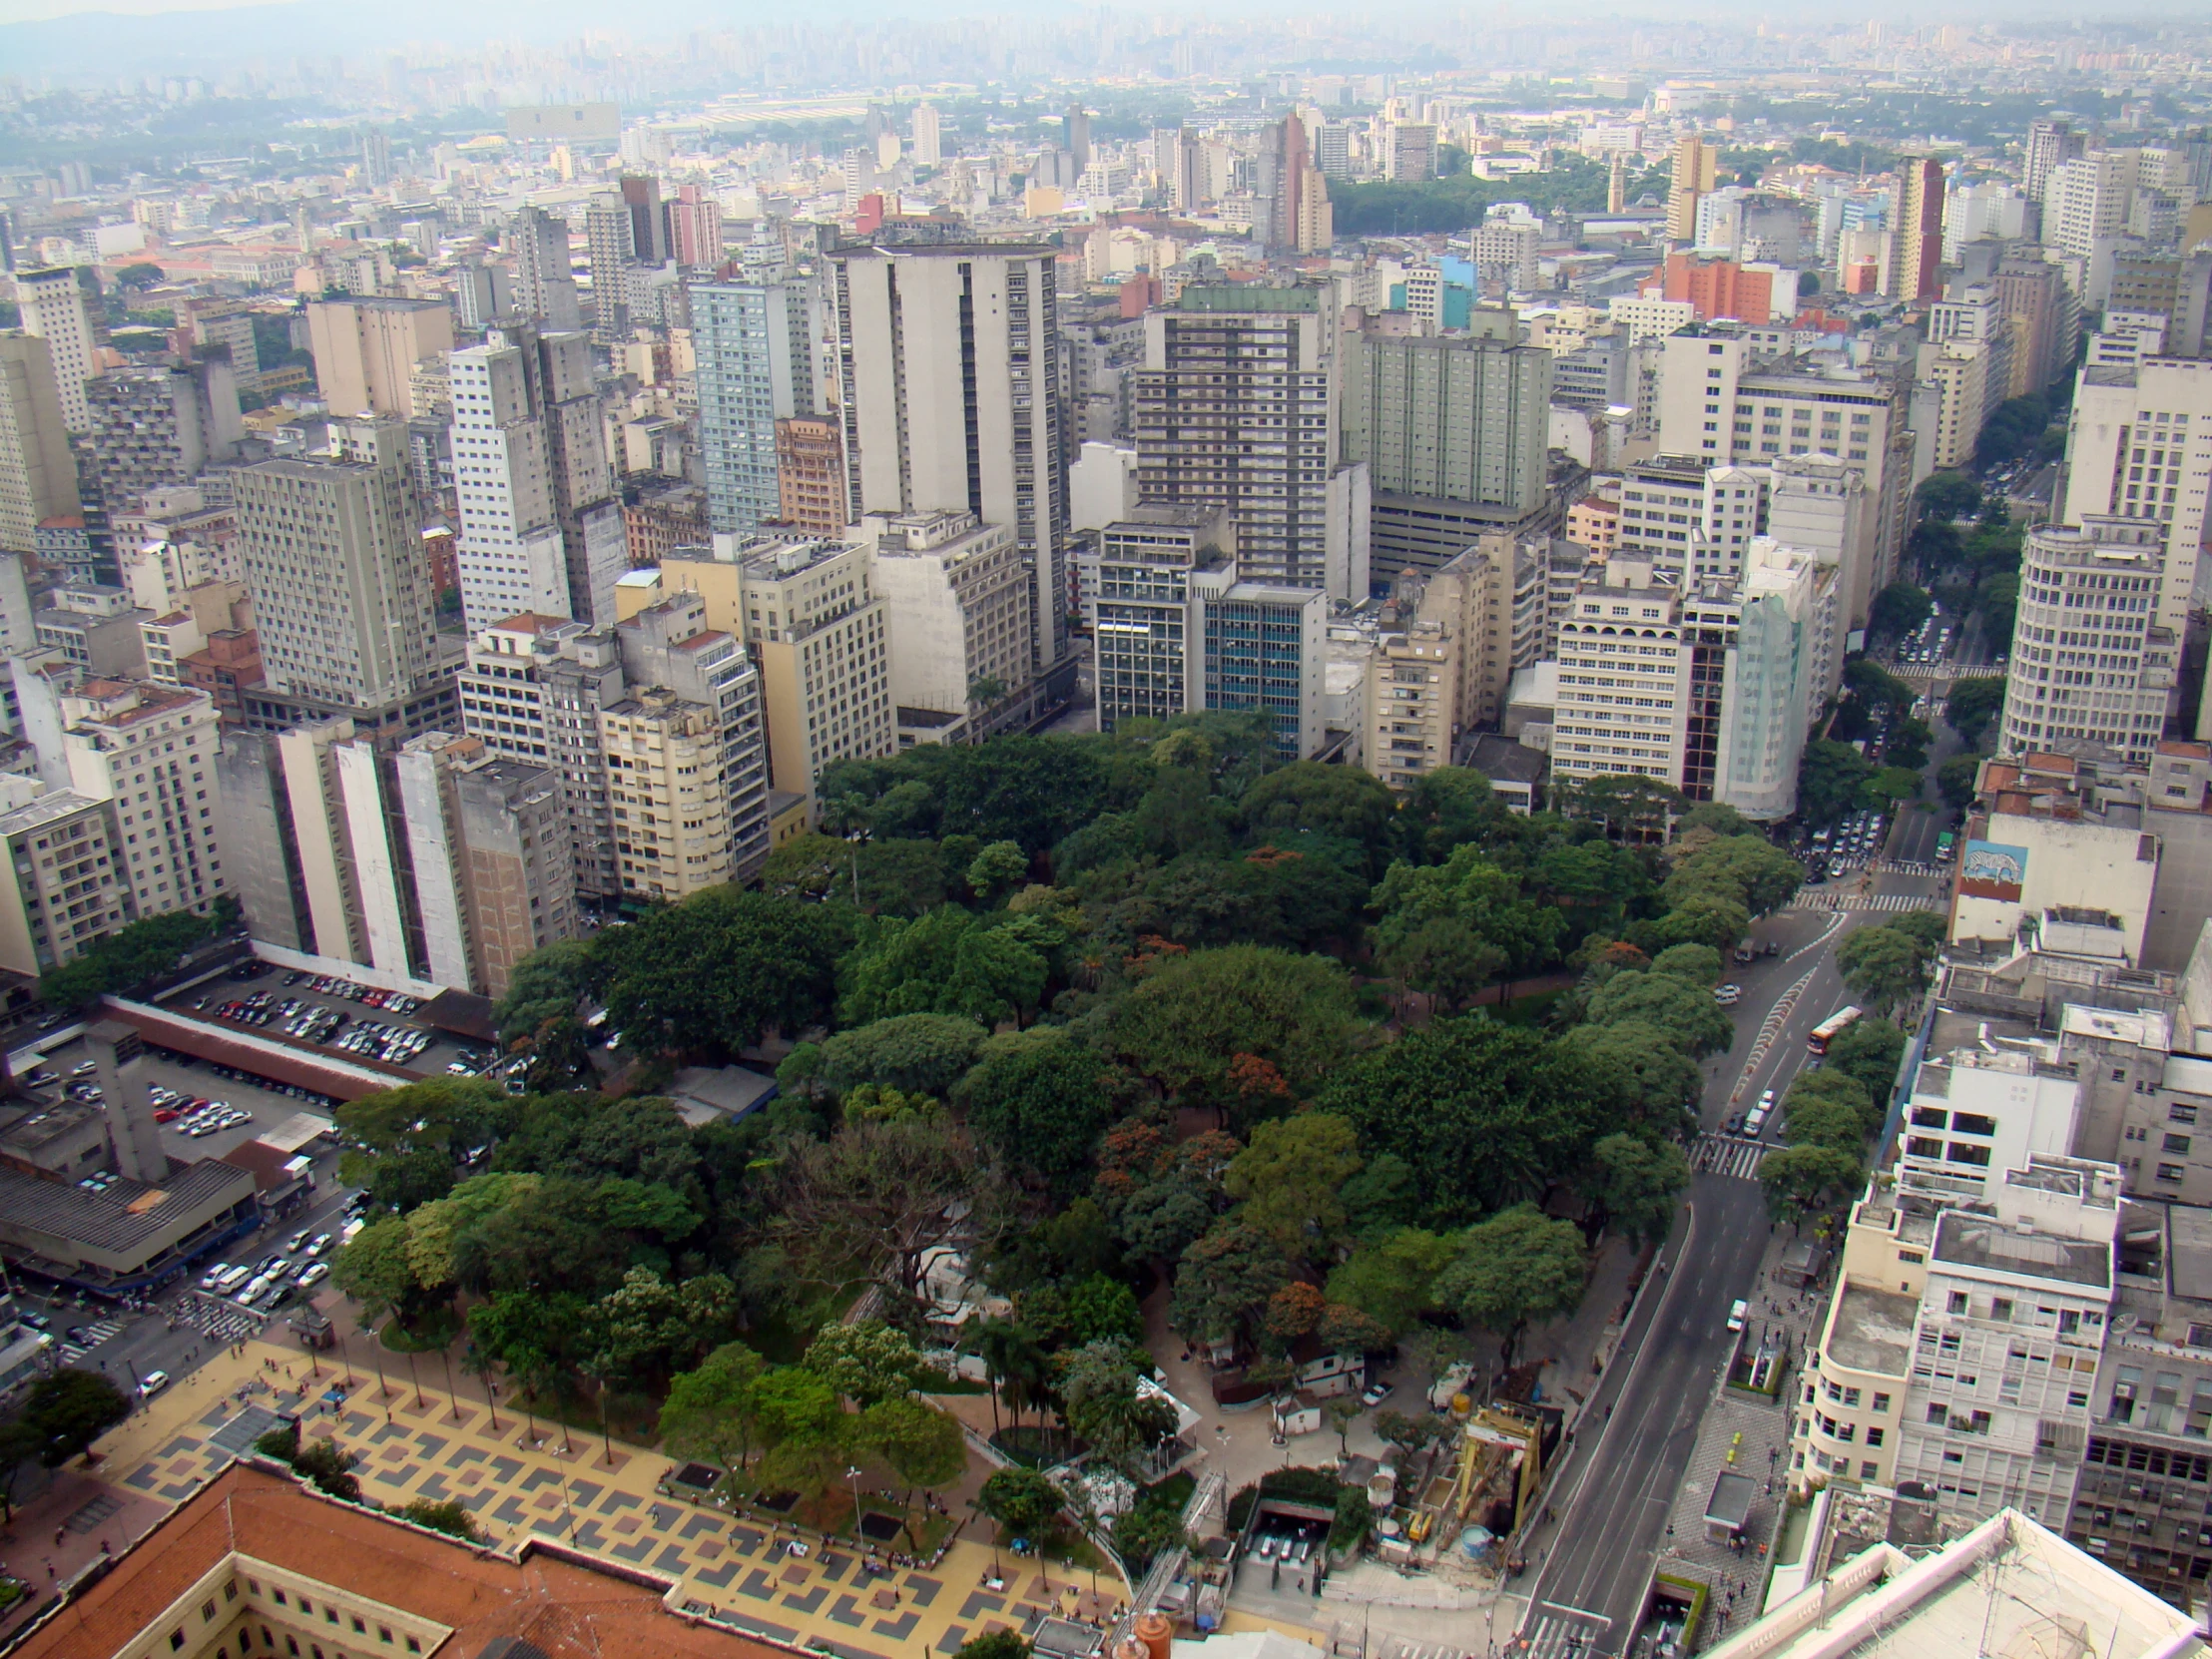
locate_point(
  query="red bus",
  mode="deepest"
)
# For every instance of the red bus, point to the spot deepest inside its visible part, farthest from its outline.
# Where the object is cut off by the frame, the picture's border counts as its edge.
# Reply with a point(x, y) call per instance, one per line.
point(1830, 1029)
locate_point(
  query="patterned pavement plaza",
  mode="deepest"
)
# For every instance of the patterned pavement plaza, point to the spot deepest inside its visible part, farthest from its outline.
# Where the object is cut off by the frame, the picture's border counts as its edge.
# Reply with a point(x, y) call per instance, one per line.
point(735, 1569)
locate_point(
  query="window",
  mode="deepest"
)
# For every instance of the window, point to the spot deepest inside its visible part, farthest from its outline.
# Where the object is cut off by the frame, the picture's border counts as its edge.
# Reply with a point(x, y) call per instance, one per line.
point(2170, 1172)
point(176, 1639)
point(1873, 1435)
point(2177, 1144)
point(1936, 1412)
point(206, 1612)
point(1955, 1305)
point(2001, 1308)
point(1867, 1471)
point(1880, 1402)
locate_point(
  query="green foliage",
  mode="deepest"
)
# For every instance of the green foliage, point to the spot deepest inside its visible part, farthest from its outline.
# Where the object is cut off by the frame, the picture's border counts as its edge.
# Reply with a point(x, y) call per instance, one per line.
point(1800, 1179)
point(330, 1466)
point(921, 1053)
point(1697, 965)
point(2012, 429)
point(546, 985)
point(995, 1644)
point(1022, 1501)
point(1686, 1012)
point(1338, 800)
point(1516, 1269)
point(950, 961)
point(68, 1410)
point(1449, 205)
point(1869, 1053)
point(1224, 1282)
point(922, 1445)
point(1186, 1022)
point(719, 969)
point(1630, 808)
point(1038, 1098)
point(1969, 707)
point(1287, 1181)
point(1393, 1279)
point(1889, 966)
point(1650, 1080)
point(1102, 1310)
point(1831, 778)
point(1639, 1183)
point(1899, 609)
point(143, 950)
point(450, 1517)
point(710, 1409)
point(1448, 807)
point(867, 1361)
point(1472, 890)
point(1482, 1114)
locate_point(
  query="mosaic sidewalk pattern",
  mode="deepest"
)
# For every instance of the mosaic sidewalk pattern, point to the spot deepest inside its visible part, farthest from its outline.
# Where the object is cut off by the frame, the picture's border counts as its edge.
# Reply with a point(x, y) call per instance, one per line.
point(736, 1570)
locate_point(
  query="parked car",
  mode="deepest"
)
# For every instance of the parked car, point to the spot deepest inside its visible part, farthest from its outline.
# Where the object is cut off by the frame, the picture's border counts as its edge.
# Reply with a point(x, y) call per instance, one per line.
point(152, 1384)
point(1375, 1393)
point(1736, 1313)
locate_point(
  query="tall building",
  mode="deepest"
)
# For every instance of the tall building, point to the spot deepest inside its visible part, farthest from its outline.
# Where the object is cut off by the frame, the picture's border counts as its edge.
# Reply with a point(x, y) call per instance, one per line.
point(1917, 231)
point(927, 136)
point(38, 475)
point(545, 276)
point(367, 349)
point(755, 351)
point(2139, 446)
point(641, 196)
point(948, 358)
point(1695, 171)
point(55, 309)
point(342, 600)
point(1690, 520)
point(695, 226)
point(2033, 294)
point(1265, 648)
point(541, 527)
point(1295, 215)
point(2050, 143)
point(809, 474)
point(582, 680)
point(957, 621)
point(1409, 154)
point(1237, 407)
point(1150, 614)
point(1444, 422)
point(608, 228)
point(2086, 201)
point(1818, 505)
point(150, 750)
point(2095, 655)
point(155, 426)
point(65, 887)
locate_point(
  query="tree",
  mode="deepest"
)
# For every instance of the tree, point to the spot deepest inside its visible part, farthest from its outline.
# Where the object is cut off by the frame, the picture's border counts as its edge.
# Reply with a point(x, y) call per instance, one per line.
point(1638, 1183)
point(1334, 799)
point(800, 1422)
point(1832, 1090)
point(1652, 1081)
point(919, 1053)
point(950, 961)
point(68, 1410)
point(1632, 809)
point(1392, 1281)
point(1687, 1013)
point(1970, 704)
point(1100, 1308)
point(1867, 1052)
point(867, 1361)
point(710, 1409)
point(1448, 959)
point(1946, 495)
point(1831, 779)
point(1039, 1099)
point(450, 1517)
point(1186, 1021)
point(1224, 1281)
point(21, 1444)
point(139, 274)
point(1959, 778)
point(1894, 785)
point(719, 969)
point(874, 1198)
point(1014, 1359)
point(994, 1644)
point(330, 1466)
point(1799, 1179)
point(998, 866)
point(1471, 889)
point(1513, 1270)
point(1698, 964)
point(1899, 609)
point(130, 956)
point(1022, 1501)
point(922, 1445)
point(1103, 1404)
point(1884, 968)
point(1750, 870)
point(1446, 807)
point(1292, 1311)
point(1288, 1179)
point(1482, 1114)
point(546, 985)
point(1343, 1412)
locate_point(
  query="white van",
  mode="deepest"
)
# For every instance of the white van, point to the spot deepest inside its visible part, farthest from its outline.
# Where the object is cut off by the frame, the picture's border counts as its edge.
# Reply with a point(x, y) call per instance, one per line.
point(1756, 1121)
point(232, 1280)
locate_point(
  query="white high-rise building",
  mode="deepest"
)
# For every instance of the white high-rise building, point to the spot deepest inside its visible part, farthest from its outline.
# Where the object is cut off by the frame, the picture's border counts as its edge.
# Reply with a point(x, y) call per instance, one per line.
point(545, 276)
point(2086, 201)
point(151, 750)
point(753, 344)
point(55, 310)
point(929, 144)
point(513, 557)
point(958, 616)
point(948, 358)
point(2139, 446)
point(1818, 505)
point(2094, 659)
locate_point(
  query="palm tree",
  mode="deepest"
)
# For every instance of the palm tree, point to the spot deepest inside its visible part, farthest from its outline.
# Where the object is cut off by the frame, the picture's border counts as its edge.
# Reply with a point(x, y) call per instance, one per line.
point(850, 817)
point(1014, 1360)
point(480, 1366)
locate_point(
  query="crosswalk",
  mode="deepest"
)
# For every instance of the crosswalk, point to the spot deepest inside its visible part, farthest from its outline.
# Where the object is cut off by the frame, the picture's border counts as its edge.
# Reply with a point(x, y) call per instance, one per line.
point(1554, 1632)
point(95, 1334)
point(1867, 902)
point(1728, 1155)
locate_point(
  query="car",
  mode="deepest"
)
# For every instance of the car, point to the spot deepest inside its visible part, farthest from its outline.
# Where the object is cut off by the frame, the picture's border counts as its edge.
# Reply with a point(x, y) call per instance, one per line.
point(253, 1292)
point(1736, 1313)
point(1266, 1546)
point(322, 1240)
point(293, 1244)
point(152, 1384)
point(1377, 1393)
point(1766, 1100)
point(1728, 996)
point(1734, 1125)
point(85, 1069)
point(164, 1114)
point(214, 1275)
point(78, 1334)
point(314, 1274)
point(1836, 869)
point(40, 1078)
point(232, 1280)
point(35, 1319)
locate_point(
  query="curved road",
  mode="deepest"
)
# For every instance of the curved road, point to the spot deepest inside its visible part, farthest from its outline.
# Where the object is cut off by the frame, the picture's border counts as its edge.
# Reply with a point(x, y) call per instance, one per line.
point(1589, 1587)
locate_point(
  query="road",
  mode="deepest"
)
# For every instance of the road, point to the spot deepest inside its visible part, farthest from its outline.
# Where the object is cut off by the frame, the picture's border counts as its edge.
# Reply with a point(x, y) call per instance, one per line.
point(1591, 1585)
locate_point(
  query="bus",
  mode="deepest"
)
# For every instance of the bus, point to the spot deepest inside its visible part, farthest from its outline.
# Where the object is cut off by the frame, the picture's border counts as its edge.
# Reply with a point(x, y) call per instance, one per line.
point(1831, 1028)
point(1943, 843)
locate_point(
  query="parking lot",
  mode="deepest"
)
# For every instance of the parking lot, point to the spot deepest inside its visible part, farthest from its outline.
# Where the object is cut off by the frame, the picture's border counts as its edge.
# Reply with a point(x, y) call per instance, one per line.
point(198, 1080)
point(282, 1003)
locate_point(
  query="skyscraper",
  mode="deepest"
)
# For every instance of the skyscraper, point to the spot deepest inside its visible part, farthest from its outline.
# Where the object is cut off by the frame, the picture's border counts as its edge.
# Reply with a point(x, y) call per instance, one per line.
point(607, 229)
point(1916, 232)
point(343, 599)
point(809, 474)
point(38, 476)
point(365, 348)
point(54, 308)
point(2050, 143)
point(641, 194)
point(754, 347)
point(1235, 406)
point(545, 278)
point(1078, 129)
point(949, 361)
point(2091, 598)
point(927, 140)
point(1696, 170)
point(1293, 192)
point(694, 227)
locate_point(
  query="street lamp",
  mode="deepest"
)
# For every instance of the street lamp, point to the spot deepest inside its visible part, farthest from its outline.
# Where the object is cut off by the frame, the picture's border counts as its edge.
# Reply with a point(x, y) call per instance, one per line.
point(853, 1473)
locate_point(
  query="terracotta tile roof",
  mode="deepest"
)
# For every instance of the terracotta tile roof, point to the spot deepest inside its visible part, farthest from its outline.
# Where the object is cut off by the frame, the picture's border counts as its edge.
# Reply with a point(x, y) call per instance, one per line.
point(560, 1604)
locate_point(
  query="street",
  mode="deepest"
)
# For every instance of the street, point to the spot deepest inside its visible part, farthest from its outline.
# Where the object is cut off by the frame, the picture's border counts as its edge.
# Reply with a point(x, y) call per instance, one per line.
point(1616, 1493)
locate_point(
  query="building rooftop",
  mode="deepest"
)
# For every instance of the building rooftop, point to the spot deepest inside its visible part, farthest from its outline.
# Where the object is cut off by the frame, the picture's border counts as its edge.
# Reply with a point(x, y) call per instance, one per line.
point(126, 1215)
point(1986, 1242)
point(47, 808)
point(1870, 1330)
point(543, 1600)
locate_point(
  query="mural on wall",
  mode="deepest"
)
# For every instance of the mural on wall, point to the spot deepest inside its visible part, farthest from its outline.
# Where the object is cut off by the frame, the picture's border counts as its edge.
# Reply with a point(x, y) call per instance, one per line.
point(1992, 869)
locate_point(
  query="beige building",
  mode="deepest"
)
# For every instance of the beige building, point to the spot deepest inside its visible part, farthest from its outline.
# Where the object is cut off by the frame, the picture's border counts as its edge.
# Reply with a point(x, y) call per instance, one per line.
point(1408, 704)
point(69, 889)
point(2095, 657)
point(56, 309)
point(150, 750)
point(1850, 1396)
point(665, 789)
point(1958, 370)
point(957, 614)
point(365, 351)
point(38, 476)
point(1695, 171)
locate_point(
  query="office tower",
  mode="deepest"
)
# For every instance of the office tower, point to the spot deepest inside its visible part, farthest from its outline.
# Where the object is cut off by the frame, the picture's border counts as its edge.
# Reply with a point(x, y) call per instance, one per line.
point(2094, 660)
point(38, 475)
point(1689, 520)
point(2086, 201)
point(1444, 425)
point(1150, 621)
point(1410, 153)
point(948, 358)
point(809, 474)
point(582, 679)
point(541, 529)
point(958, 619)
point(376, 158)
point(641, 194)
point(685, 753)
point(2050, 143)
point(62, 892)
point(608, 228)
point(1784, 656)
point(1696, 169)
point(365, 348)
point(753, 343)
point(927, 136)
point(1265, 648)
point(1333, 150)
point(343, 601)
point(2139, 446)
point(1295, 216)
point(151, 750)
point(1992, 211)
point(483, 294)
point(55, 309)
point(1724, 401)
point(1235, 406)
point(816, 624)
point(1917, 231)
point(1506, 253)
point(695, 226)
point(545, 278)
point(156, 425)
point(2033, 292)
point(1077, 130)
point(1818, 505)
point(502, 688)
